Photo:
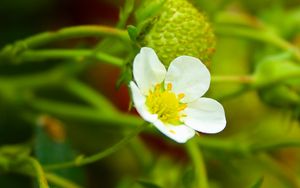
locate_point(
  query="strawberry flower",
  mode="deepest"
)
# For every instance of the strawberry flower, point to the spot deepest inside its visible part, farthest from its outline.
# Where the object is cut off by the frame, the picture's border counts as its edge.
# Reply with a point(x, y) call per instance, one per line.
point(172, 99)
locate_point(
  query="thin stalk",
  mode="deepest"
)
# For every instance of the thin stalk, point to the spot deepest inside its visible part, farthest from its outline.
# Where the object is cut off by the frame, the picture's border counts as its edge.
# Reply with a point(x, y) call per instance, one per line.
point(199, 164)
point(52, 178)
point(277, 80)
point(61, 182)
point(244, 79)
point(96, 157)
point(38, 171)
point(77, 54)
point(42, 39)
point(49, 77)
point(78, 112)
point(11, 52)
point(91, 96)
point(259, 35)
point(276, 144)
point(241, 147)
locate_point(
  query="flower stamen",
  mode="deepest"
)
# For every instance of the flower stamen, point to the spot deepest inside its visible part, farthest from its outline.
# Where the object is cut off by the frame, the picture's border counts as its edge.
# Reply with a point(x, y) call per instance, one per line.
point(166, 104)
point(181, 95)
point(169, 87)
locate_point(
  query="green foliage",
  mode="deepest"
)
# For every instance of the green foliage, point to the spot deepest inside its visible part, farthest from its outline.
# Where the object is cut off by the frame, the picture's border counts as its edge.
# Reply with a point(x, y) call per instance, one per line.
point(275, 91)
point(52, 147)
point(91, 138)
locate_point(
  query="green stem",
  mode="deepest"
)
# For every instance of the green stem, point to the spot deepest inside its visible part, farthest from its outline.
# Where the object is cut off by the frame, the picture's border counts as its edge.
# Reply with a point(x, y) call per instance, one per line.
point(61, 182)
point(197, 158)
point(42, 39)
point(91, 96)
point(259, 35)
point(77, 112)
point(244, 79)
point(277, 80)
point(80, 161)
point(77, 54)
point(38, 171)
point(275, 144)
point(10, 52)
point(244, 148)
point(225, 145)
point(42, 79)
point(52, 178)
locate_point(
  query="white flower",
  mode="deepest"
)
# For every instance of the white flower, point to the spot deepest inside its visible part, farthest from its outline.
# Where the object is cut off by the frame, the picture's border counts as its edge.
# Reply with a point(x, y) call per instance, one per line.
point(170, 100)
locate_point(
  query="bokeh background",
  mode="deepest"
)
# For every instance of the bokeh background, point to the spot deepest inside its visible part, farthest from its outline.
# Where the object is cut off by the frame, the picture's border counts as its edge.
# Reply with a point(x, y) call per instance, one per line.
point(258, 148)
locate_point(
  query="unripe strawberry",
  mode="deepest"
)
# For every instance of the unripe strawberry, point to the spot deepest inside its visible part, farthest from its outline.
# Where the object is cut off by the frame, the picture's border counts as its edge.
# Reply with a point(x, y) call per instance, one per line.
point(179, 29)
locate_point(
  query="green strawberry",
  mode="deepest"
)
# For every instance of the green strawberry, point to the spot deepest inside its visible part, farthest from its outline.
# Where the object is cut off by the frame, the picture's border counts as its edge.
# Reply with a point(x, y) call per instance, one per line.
point(179, 29)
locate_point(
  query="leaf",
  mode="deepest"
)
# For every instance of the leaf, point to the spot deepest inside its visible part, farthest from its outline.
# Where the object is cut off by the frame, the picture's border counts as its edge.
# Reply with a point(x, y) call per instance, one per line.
point(125, 13)
point(52, 146)
point(274, 71)
point(258, 183)
point(132, 32)
point(148, 9)
point(278, 81)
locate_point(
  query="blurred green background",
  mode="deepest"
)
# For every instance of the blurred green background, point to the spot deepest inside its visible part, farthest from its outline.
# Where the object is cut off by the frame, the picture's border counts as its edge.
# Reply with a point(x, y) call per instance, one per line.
point(41, 104)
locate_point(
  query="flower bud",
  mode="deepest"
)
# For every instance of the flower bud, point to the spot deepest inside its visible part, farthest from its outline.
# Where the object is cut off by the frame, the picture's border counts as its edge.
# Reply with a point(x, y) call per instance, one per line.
point(178, 29)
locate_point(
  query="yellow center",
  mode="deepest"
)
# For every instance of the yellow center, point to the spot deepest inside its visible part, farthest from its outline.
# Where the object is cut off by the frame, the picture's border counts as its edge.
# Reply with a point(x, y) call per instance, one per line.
point(166, 104)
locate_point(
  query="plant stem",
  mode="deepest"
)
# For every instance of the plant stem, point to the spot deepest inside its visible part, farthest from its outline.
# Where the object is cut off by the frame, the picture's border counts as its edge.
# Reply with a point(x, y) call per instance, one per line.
point(242, 147)
point(38, 171)
point(197, 158)
point(244, 79)
point(259, 35)
point(77, 112)
point(52, 178)
point(11, 52)
point(50, 77)
point(91, 96)
point(80, 161)
point(78, 54)
point(275, 144)
point(57, 180)
point(260, 83)
point(72, 32)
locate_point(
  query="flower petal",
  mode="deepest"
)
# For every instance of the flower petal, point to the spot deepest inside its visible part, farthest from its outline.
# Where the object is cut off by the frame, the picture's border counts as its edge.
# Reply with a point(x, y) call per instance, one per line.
point(205, 115)
point(139, 102)
point(188, 75)
point(179, 133)
point(147, 69)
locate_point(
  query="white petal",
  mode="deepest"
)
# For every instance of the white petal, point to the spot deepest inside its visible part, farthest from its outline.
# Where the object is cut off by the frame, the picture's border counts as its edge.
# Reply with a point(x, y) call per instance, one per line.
point(179, 133)
point(147, 69)
point(205, 115)
point(188, 75)
point(139, 103)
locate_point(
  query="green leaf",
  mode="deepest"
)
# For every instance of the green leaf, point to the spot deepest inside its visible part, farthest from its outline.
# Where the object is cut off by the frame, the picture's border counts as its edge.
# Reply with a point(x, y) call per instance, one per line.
point(50, 150)
point(132, 32)
point(148, 9)
point(278, 80)
point(125, 13)
point(258, 183)
point(274, 72)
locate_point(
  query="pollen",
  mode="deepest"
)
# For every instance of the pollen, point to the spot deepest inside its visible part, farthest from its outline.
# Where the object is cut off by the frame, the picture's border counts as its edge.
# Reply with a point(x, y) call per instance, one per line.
point(166, 104)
